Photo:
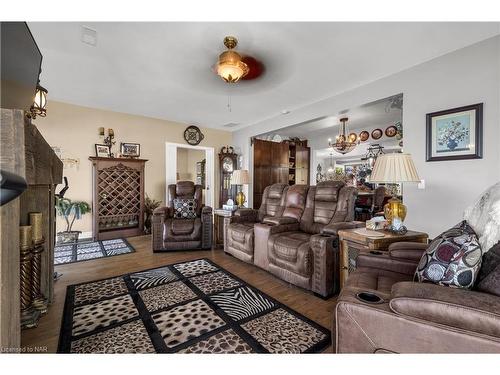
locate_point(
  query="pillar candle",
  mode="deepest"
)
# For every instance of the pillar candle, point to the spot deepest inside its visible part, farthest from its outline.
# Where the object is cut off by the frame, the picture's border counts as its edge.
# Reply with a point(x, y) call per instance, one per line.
point(25, 237)
point(36, 226)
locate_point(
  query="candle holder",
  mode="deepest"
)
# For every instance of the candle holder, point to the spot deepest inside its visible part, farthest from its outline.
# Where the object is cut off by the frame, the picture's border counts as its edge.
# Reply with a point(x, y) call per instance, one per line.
point(39, 302)
point(29, 315)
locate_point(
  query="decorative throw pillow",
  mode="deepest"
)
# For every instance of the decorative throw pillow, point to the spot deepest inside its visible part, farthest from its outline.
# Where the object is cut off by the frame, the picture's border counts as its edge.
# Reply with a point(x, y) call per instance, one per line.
point(452, 259)
point(488, 279)
point(184, 208)
point(484, 217)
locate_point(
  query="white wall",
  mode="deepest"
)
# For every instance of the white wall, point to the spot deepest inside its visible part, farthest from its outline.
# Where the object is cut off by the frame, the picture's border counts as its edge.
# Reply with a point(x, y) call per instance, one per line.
point(467, 76)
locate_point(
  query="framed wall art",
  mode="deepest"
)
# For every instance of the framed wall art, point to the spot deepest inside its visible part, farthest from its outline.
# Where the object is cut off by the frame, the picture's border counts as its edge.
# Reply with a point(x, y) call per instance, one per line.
point(102, 151)
point(455, 134)
point(130, 150)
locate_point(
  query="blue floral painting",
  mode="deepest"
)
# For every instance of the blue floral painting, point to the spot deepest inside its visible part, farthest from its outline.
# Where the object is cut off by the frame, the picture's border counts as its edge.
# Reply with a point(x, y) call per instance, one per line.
point(453, 134)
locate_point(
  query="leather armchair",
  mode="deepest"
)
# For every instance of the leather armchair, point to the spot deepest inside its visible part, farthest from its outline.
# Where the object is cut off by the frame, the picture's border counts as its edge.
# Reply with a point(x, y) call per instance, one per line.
point(239, 229)
point(170, 233)
point(303, 253)
point(412, 317)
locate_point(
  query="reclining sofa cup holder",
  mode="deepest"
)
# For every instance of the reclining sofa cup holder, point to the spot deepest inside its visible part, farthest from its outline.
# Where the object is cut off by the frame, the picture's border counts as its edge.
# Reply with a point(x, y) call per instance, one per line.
point(369, 297)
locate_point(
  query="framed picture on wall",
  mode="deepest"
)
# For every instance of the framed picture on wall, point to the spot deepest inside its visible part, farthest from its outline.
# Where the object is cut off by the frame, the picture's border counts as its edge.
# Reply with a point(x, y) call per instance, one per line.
point(455, 134)
point(130, 150)
point(102, 151)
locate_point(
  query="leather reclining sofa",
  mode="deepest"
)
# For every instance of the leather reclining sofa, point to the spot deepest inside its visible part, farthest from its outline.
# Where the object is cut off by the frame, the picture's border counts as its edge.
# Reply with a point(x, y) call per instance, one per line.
point(411, 317)
point(293, 235)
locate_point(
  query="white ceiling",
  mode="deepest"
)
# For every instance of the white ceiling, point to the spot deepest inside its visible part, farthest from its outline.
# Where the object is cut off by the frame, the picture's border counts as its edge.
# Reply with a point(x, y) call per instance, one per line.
point(163, 70)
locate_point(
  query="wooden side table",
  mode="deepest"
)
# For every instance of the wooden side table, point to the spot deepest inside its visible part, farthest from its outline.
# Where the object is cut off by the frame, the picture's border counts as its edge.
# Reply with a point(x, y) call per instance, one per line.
point(219, 215)
point(353, 242)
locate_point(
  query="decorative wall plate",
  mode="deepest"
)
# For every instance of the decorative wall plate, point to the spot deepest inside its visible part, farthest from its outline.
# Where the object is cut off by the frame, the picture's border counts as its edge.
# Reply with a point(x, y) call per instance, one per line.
point(193, 135)
point(353, 137)
point(391, 131)
point(364, 135)
point(377, 133)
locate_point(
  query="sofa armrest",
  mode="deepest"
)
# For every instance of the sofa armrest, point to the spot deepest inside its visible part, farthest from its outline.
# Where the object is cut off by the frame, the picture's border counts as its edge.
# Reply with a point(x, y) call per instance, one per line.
point(157, 227)
point(206, 227)
point(279, 220)
point(412, 251)
point(325, 278)
point(458, 308)
point(333, 228)
point(247, 212)
point(384, 262)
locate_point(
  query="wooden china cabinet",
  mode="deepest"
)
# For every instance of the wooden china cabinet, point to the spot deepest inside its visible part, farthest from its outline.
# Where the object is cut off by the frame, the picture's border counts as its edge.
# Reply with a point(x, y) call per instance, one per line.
point(284, 162)
point(118, 197)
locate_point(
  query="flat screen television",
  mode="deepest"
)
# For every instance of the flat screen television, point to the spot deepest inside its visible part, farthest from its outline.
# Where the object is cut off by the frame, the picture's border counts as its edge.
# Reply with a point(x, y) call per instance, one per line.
point(20, 63)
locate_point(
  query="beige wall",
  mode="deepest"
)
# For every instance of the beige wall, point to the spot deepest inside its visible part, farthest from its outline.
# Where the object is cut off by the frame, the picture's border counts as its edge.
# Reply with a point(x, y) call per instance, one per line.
point(74, 129)
point(186, 162)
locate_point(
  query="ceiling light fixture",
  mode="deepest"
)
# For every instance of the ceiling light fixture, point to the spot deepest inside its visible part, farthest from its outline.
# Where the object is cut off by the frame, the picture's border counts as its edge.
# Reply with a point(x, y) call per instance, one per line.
point(374, 151)
point(230, 66)
point(343, 144)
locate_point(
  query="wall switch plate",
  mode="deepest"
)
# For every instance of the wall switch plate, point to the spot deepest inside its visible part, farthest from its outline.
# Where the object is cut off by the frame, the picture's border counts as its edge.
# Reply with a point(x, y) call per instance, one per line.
point(421, 185)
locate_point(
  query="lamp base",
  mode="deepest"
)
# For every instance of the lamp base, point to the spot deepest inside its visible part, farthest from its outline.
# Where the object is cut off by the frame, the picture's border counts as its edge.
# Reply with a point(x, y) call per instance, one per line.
point(240, 199)
point(395, 209)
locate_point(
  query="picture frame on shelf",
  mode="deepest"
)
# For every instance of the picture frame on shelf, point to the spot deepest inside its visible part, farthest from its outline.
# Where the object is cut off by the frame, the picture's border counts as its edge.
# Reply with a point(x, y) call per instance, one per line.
point(130, 150)
point(102, 151)
point(455, 134)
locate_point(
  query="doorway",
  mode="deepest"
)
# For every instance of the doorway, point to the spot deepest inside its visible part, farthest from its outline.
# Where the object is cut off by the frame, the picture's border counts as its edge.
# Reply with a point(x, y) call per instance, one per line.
point(185, 162)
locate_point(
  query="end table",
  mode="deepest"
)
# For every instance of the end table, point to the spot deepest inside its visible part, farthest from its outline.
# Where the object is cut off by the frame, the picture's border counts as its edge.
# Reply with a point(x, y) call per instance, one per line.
point(219, 215)
point(353, 242)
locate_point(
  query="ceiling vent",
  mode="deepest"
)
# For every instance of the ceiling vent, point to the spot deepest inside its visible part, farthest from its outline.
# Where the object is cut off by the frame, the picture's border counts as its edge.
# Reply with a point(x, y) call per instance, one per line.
point(231, 124)
point(89, 36)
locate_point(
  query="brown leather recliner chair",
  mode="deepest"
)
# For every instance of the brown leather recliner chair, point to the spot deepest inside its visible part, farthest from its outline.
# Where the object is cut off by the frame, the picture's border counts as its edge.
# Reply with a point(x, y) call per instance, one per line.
point(238, 230)
point(301, 250)
point(170, 233)
point(411, 317)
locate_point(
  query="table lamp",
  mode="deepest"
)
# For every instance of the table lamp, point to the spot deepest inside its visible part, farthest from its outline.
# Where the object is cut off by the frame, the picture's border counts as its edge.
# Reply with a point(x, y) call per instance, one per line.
point(240, 177)
point(394, 168)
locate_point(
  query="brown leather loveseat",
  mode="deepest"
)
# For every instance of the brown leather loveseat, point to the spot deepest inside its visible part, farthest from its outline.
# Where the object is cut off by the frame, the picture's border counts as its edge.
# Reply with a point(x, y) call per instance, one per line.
point(411, 317)
point(298, 244)
point(172, 233)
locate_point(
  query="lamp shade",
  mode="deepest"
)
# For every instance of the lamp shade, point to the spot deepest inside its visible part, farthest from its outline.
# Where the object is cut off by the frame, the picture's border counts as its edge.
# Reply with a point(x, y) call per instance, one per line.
point(394, 168)
point(240, 177)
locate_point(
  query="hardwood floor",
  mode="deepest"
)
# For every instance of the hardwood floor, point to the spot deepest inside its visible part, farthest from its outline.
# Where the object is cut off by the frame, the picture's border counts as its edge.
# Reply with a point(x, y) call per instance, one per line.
point(46, 335)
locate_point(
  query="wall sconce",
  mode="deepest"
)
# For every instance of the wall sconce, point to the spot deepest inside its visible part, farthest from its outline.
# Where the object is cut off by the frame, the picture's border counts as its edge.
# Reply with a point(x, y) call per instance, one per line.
point(39, 103)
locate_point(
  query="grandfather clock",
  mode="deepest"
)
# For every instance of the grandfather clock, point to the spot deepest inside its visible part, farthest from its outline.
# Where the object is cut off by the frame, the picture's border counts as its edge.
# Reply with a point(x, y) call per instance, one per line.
point(227, 164)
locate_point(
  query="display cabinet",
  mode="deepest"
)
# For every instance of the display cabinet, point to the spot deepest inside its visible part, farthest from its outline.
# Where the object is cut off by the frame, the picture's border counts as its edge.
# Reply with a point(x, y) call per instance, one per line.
point(118, 197)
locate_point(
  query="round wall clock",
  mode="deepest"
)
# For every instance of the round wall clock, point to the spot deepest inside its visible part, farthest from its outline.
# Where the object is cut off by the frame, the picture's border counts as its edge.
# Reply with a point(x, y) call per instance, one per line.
point(377, 133)
point(364, 135)
point(193, 135)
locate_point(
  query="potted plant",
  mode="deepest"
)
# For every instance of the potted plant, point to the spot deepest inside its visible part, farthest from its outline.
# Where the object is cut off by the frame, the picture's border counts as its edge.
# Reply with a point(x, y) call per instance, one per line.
point(70, 211)
point(149, 207)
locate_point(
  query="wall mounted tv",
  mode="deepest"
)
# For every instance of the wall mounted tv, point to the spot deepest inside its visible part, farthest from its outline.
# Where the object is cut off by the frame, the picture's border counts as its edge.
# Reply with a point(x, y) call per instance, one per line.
point(20, 64)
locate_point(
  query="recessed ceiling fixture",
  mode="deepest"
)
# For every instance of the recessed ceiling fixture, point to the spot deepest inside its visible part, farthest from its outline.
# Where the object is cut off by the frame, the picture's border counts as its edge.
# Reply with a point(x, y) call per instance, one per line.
point(230, 66)
point(343, 144)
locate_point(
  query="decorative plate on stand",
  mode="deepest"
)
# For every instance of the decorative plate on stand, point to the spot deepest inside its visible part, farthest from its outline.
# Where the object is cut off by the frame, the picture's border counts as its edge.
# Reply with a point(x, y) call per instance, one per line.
point(364, 135)
point(391, 131)
point(377, 134)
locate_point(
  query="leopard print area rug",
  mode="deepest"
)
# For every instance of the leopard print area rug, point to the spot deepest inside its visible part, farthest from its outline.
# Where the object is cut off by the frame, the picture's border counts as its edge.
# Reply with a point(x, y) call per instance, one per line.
point(189, 307)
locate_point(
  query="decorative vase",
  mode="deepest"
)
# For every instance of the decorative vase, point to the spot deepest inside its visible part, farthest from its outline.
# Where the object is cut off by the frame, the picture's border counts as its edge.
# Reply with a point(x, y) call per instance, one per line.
point(452, 144)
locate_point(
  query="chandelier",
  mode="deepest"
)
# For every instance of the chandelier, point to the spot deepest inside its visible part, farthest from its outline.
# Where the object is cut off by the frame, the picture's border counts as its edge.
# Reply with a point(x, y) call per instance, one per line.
point(230, 66)
point(343, 143)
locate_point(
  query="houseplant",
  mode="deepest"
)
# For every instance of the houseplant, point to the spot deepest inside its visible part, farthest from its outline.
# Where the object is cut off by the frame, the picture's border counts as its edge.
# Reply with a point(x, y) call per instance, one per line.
point(149, 207)
point(70, 211)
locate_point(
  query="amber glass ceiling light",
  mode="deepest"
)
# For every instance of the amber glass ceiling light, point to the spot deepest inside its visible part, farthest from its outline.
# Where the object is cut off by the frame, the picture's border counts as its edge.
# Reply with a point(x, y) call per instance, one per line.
point(230, 67)
point(39, 102)
point(342, 142)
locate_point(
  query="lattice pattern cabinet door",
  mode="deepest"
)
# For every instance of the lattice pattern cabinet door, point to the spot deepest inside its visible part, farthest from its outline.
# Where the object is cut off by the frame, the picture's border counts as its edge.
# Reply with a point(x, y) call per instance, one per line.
point(118, 197)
